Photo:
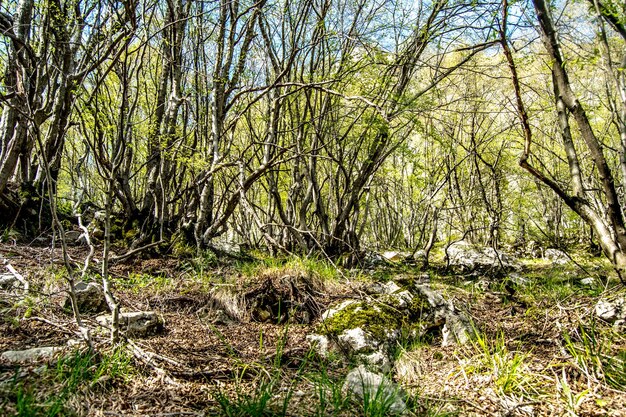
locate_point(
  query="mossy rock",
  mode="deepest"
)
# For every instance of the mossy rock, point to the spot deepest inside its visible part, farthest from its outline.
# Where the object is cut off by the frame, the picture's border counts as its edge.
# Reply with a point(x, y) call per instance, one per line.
point(379, 318)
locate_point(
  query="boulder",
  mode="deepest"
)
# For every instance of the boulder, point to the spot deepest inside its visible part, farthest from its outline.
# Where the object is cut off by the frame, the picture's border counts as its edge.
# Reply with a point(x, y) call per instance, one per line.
point(611, 310)
point(468, 257)
point(30, 355)
point(455, 327)
point(8, 282)
point(372, 387)
point(518, 280)
point(73, 236)
point(320, 343)
point(590, 281)
point(392, 256)
point(377, 360)
point(558, 257)
point(358, 340)
point(334, 310)
point(367, 330)
point(136, 323)
point(89, 298)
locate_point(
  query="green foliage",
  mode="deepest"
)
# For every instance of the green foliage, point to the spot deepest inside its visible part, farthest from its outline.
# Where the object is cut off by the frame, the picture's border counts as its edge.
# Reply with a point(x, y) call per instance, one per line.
point(264, 264)
point(508, 369)
point(139, 282)
point(78, 373)
point(595, 357)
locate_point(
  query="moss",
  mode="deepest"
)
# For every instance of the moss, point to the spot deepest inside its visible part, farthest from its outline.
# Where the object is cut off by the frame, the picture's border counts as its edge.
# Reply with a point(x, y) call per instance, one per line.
point(376, 319)
point(418, 306)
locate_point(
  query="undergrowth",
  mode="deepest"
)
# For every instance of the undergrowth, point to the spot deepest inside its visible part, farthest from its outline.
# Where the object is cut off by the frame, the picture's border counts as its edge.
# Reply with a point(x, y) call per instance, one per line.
point(46, 390)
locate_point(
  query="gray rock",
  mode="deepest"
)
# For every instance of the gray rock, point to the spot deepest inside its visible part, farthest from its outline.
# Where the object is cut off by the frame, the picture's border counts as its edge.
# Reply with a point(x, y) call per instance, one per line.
point(372, 387)
point(334, 310)
point(358, 340)
point(8, 282)
point(588, 281)
point(73, 236)
point(89, 298)
point(517, 279)
point(320, 343)
point(456, 327)
point(377, 360)
point(611, 311)
point(220, 317)
point(136, 323)
point(558, 257)
point(30, 355)
point(468, 257)
point(372, 259)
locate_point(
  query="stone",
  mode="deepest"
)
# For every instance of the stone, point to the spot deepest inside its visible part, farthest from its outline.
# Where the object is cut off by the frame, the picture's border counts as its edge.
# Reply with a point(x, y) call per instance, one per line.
point(30, 355)
point(370, 386)
point(558, 257)
point(219, 317)
point(456, 330)
point(611, 311)
point(467, 257)
point(136, 323)
point(372, 259)
point(456, 327)
point(320, 343)
point(392, 256)
point(588, 281)
point(377, 360)
point(357, 340)
point(340, 307)
point(519, 280)
point(89, 298)
point(73, 236)
point(8, 281)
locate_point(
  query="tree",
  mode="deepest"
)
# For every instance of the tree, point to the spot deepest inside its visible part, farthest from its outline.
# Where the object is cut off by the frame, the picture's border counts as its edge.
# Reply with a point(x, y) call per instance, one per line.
point(604, 215)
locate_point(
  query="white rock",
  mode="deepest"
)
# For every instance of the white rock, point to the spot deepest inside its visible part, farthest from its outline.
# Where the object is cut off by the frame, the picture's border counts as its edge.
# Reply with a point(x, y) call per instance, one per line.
point(89, 298)
point(357, 340)
point(588, 281)
point(611, 310)
point(29, 355)
point(334, 310)
point(517, 279)
point(456, 327)
point(457, 330)
point(558, 257)
point(465, 255)
point(8, 281)
point(390, 287)
point(136, 323)
point(392, 256)
point(377, 360)
point(320, 343)
point(370, 386)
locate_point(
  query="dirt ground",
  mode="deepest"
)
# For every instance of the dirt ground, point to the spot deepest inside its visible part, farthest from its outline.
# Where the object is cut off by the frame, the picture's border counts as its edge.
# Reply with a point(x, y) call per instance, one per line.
point(179, 371)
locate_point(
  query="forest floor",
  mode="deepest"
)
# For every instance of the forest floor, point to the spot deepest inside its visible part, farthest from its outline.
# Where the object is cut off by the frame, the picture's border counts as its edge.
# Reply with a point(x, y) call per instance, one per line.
point(539, 350)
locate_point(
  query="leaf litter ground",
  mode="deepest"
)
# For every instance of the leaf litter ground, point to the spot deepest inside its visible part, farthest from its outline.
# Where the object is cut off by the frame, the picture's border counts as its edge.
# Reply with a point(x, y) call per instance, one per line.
point(523, 363)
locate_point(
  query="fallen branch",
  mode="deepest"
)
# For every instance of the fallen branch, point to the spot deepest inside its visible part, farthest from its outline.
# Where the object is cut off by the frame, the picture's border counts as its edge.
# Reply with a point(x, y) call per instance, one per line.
point(16, 274)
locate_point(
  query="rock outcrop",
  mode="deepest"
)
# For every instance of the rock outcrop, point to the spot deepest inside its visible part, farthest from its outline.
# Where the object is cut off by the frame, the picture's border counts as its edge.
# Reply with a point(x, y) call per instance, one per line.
point(366, 330)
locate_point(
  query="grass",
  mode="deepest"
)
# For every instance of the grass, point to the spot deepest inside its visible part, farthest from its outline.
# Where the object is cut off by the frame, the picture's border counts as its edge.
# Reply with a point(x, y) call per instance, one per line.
point(507, 370)
point(46, 393)
point(594, 356)
point(268, 265)
point(140, 282)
